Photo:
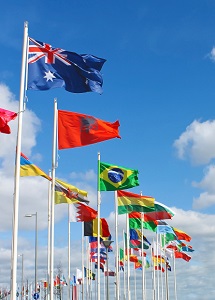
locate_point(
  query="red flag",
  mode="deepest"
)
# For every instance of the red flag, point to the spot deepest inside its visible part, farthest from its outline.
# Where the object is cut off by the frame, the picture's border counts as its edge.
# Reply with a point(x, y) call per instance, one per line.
point(5, 117)
point(79, 212)
point(133, 258)
point(182, 255)
point(77, 130)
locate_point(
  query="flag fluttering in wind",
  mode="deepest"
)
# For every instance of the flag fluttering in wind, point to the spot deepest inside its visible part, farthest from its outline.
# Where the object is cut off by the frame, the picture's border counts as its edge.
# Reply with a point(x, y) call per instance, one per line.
point(128, 202)
point(27, 168)
point(109, 273)
point(114, 177)
point(89, 274)
point(163, 227)
point(180, 254)
point(77, 130)
point(181, 235)
point(67, 193)
point(5, 117)
point(91, 228)
point(50, 67)
point(80, 212)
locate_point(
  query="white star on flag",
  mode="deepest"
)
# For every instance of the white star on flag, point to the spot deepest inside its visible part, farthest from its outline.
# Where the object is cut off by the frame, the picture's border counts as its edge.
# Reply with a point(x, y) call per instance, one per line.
point(49, 76)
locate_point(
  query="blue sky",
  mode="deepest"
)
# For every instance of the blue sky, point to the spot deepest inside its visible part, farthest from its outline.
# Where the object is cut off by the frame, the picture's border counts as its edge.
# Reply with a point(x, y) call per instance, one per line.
point(159, 82)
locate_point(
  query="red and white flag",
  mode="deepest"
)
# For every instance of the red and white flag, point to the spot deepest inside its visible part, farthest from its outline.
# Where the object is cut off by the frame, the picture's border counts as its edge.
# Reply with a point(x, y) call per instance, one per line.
point(79, 212)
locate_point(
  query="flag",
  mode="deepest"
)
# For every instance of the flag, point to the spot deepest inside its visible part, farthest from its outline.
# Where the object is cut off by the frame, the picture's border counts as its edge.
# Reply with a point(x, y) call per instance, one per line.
point(121, 266)
point(121, 254)
point(27, 168)
point(110, 273)
point(5, 117)
point(135, 234)
point(114, 178)
point(187, 248)
point(159, 268)
point(79, 276)
point(57, 281)
point(101, 266)
point(179, 254)
point(63, 280)
point(89, 274)
point(133, 258)
point(135, 222)
point(80, 212)
point(181, 235)
point(67, 193)
point(135, 243)
point(77, 130)
point(138, 265)
point(94, 247)
point(163, 227)
point(158, 212)
point(91, 228)
point(50, 67)
point(128, 202)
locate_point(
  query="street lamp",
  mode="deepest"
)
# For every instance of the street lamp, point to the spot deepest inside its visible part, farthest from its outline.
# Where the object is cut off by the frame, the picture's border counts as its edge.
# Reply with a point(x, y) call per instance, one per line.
point(107, 245)
point(29, 216)
point(22, 275)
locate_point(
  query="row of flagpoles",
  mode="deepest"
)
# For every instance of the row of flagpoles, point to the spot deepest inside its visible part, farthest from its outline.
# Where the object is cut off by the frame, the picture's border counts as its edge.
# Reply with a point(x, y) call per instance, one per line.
point(76, 130)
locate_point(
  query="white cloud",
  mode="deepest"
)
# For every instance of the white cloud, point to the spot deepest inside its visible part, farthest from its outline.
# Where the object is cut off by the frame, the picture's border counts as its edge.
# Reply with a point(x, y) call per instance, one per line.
point(197, 143)
point(212, 54)
point(206, 198)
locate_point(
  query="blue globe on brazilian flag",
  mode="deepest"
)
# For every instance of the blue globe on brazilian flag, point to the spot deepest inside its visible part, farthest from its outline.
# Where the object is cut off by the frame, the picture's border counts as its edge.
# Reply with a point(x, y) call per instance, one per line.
point(114, 178)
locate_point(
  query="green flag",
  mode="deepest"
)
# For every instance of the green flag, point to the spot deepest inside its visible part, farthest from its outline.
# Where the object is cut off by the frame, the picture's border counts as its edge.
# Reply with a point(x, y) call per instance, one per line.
point(114, 178)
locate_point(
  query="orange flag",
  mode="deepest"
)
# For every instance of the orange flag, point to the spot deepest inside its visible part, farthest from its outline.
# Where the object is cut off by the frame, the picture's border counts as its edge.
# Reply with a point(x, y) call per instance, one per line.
point(77, 130)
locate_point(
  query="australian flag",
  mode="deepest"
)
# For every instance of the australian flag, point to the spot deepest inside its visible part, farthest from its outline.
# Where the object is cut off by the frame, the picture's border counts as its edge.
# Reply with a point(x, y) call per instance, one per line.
point(50, 67)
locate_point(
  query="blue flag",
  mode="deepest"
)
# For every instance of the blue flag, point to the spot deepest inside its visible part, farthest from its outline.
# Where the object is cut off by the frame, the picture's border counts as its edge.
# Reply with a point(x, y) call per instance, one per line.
point(50, 67)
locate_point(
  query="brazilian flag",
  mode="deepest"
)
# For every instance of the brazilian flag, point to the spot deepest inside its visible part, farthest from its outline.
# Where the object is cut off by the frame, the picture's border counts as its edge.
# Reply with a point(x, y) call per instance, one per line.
point(114, 178)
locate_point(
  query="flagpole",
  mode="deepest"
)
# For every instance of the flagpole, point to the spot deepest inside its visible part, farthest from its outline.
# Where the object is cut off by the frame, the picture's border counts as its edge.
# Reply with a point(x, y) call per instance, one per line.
point(161, 263)
point(49, 237)
point(69, 251)
point(117, 246)
point(53, 201)
point(158, 282)
point(82, 259)
point(135, 292)
point(143, 263)
point(174, 267)
point(17, 166)
point(98, 209)
point(153, 265)
point(124, 282)
point(128, 256)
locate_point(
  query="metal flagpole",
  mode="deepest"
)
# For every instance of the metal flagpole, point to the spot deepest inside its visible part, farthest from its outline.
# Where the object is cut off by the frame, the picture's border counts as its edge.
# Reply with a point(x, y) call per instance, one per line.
point(128, 257)
point(69, 250)
point(53, 201)
point(135, 286)
point(82, 259)
point(117, 246)
point(98, 218)
point(143, 262)
point(174, 275)
point(153, 273)
point(17, 166)
point(49, 236)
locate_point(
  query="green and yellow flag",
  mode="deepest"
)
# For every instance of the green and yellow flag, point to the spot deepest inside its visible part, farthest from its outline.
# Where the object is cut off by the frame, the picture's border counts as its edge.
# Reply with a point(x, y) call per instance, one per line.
point(114, 178)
